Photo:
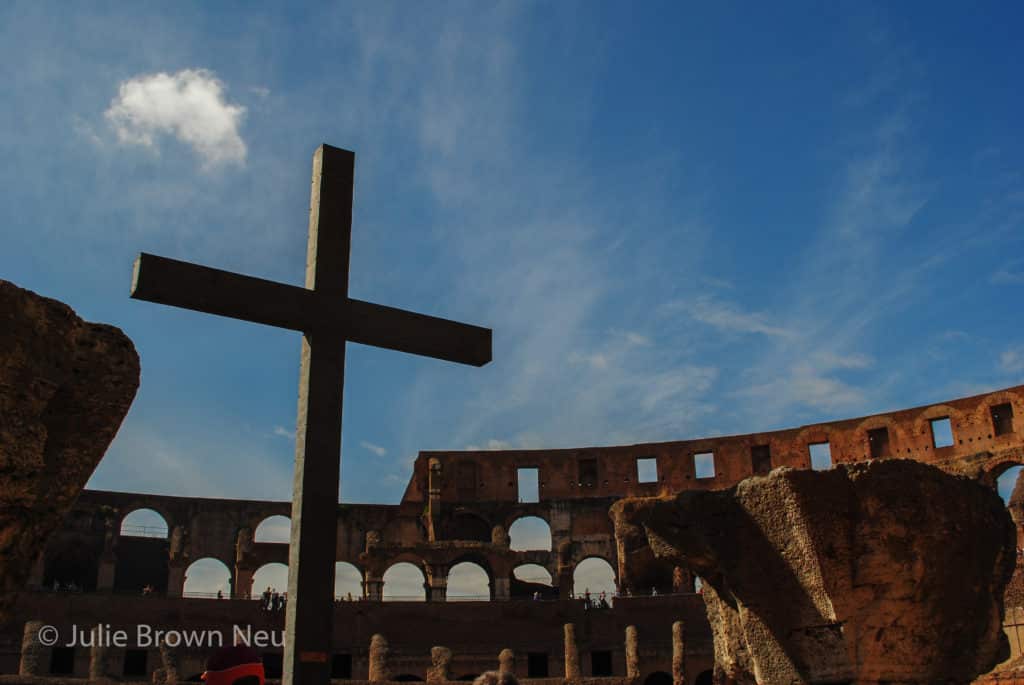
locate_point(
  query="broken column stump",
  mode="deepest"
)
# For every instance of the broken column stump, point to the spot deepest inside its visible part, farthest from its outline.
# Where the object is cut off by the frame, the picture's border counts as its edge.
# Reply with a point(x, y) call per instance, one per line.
point(887, 571)
point(65, 387)
point(380, 671)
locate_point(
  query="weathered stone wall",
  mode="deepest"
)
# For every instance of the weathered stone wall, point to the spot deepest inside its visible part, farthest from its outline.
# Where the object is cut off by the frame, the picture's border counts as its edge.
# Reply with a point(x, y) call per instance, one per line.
point(65, 387)
point(891, 571)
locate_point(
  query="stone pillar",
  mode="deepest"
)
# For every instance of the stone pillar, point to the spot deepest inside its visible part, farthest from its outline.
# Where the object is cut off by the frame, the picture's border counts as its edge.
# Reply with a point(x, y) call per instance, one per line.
point(34, 654)
point(373, 587)
point(436, 584)
point(565, 584)
point(678, 653)
point(175, 579)
point(632, 653)
point(441, 661)
point(379, 670)
point(502, 589)
point(169, 656)
point(105, 573)
point(572, 656)
point(242, 587)
point(507, 662)
point(99, 655)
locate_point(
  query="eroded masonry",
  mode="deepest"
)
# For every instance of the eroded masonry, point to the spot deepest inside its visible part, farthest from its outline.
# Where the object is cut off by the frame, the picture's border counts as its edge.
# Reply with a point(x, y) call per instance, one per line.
point(459, 507)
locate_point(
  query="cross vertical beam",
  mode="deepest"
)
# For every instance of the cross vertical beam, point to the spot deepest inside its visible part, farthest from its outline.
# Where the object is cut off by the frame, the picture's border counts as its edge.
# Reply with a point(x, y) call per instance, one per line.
point(309, 612)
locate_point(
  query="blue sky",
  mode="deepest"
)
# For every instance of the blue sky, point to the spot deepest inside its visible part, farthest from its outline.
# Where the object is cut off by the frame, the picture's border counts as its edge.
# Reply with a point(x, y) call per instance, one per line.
point(679, 220)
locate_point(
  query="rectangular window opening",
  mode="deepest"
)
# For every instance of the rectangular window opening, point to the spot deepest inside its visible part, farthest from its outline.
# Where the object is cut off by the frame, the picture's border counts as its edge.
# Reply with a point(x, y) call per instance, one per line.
point(646, 470)
point(529, 485)
point(1002, 419)
point(537, 665)
point(601, 664)
point(135, 662)
point(878, 439)
point(341, 666)
point(704, 465)
point(821, 456)
point(587, 473)
point(761, 459)
point(62, 661)
point(942, 432)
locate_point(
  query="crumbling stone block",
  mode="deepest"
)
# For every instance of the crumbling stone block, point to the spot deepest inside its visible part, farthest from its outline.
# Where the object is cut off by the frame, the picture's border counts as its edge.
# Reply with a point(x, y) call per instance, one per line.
point(678, 653)
point(379, 652)
point(507, 661)
point(440, 668)
point(887, 571)
point(572, 655)
point(65, 387)
point(632, 653)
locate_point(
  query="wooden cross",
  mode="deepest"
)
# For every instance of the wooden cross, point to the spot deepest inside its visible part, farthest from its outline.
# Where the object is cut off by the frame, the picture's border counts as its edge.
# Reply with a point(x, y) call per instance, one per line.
point(327, 317)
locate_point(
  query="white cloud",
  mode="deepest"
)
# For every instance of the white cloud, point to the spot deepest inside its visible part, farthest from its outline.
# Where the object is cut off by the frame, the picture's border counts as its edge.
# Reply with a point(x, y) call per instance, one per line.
point(1012, 359)
point(376, 449)
point(284, 432)
point(729, 317)
point(1010, 274)
point(189, 106)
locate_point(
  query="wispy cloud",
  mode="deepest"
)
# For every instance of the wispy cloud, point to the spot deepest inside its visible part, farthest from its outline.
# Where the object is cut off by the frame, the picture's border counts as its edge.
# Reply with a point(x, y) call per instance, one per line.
point(729, 317)
point(283, 432)
point(189, 106)
point(1008, 274)
point(376, 449)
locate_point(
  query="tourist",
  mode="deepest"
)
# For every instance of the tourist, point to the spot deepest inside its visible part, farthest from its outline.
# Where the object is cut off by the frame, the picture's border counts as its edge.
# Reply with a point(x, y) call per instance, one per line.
point(266, 599)
point(654, 591)
point(220, 594)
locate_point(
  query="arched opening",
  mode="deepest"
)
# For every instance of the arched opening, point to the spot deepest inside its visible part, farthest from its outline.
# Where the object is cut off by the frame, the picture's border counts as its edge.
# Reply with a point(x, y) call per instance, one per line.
point(468, 581)
point(594, 575)
point(277, 529)
point(705, 678)
point(404, 582)
point(206, 577)
point(1006, 482)
point(142, 553)
point(348, 581)
point(407, 678)
point(658, 678)
point(529, 532)
point(273, 576)
point(532, 581)
point(468, 678)
point(144, 523)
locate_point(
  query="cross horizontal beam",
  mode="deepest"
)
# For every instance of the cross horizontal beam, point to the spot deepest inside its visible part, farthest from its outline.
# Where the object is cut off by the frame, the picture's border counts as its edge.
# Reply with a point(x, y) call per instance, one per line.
point(213, 291)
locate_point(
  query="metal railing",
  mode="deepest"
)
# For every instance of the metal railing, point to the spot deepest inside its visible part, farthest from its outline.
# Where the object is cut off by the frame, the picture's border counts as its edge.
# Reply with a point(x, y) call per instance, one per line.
point(143, 531)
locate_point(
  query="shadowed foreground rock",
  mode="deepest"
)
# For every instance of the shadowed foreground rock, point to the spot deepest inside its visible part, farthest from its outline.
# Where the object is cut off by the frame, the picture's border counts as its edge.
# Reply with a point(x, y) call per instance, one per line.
point(890, 571)
point(65, 387)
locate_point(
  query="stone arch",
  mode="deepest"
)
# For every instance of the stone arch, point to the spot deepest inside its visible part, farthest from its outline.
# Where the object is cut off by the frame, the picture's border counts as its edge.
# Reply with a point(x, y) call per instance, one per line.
point(468, 580)
point(404, 581)
point(273, 575)
point(982, 414)
point(274, 529)
point(530, 579)
point(658, 678)
point(348, 580)
point(207, 576)
point(144, 522)
point(1003, 476)
point(596, 574)
point(898, 439)
point(529, 533)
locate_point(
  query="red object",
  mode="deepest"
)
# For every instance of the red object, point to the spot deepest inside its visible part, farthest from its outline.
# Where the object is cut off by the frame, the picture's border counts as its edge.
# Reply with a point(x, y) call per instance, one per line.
point(230, 664)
